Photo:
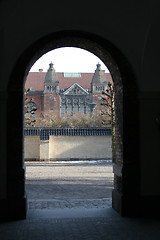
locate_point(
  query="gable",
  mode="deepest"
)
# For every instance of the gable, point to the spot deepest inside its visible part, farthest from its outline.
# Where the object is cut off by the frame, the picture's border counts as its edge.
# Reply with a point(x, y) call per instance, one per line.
point(75, 89)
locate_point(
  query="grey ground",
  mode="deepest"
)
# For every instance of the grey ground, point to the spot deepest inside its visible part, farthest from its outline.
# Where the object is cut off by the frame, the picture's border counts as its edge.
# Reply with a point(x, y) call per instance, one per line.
point(73, 202)
point(69, 184)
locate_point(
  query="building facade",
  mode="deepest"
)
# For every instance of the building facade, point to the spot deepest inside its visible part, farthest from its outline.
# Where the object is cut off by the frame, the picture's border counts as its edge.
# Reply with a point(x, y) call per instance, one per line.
point(66, 93)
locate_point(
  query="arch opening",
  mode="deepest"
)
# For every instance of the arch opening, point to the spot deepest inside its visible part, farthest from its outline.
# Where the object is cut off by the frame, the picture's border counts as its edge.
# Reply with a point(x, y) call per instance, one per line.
point(76, 130)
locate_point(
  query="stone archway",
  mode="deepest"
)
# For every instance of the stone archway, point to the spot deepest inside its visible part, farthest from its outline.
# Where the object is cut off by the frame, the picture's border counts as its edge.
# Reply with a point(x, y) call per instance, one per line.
point(126, 167)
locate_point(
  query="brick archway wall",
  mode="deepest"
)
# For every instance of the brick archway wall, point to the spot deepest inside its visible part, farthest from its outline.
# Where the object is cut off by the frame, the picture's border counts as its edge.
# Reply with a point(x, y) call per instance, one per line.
point(126, 165)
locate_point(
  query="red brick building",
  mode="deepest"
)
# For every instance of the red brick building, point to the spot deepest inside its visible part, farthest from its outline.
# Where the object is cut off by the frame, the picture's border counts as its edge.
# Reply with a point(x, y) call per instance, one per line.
point(62, 93)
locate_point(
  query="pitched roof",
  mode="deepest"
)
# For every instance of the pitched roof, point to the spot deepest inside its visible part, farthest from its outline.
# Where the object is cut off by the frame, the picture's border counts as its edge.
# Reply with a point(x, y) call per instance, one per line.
point(36, 80)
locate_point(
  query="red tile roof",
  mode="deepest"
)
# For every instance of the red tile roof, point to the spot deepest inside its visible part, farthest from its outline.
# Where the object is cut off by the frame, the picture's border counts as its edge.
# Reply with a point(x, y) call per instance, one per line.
point(35, 80)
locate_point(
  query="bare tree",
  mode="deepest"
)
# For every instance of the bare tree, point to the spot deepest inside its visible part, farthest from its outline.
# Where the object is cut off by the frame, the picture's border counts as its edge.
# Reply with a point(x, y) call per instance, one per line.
point(108, 103)
point(29, 110)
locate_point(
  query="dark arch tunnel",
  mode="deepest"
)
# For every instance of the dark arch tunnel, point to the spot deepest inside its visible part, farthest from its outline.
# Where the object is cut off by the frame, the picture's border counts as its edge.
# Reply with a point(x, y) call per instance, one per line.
point(126, 110)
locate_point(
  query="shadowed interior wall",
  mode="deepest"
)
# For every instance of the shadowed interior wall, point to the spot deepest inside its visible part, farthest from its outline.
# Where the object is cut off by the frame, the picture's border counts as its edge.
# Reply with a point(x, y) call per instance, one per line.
point(128, 30)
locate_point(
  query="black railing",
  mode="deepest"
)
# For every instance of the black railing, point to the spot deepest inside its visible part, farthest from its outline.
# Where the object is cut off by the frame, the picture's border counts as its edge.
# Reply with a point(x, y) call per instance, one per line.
point(44, 133)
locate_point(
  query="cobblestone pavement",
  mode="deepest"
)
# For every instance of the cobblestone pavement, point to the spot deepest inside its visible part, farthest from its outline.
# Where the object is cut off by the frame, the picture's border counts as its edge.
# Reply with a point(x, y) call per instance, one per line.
point(69, 184)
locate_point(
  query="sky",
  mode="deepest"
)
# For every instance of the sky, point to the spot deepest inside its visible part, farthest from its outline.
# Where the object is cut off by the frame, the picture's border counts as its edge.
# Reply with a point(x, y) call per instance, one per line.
point(68, 59)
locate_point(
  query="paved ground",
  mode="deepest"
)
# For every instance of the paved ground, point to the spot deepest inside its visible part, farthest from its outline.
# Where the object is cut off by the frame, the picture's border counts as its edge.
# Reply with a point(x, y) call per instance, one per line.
point(69, 185)
point(47, 226)
point(77, 191)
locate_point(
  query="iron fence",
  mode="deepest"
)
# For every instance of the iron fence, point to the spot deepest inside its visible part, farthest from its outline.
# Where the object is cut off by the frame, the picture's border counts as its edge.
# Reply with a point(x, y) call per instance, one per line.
point(44, 133)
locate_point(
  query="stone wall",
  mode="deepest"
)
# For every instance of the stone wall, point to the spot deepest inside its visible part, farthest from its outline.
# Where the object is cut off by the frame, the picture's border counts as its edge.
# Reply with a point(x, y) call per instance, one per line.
point(67, 148)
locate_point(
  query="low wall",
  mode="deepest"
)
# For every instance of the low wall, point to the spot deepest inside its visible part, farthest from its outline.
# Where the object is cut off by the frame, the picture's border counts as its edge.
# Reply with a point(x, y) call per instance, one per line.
point(67, 143)
point(32, 147)
point(67, 147)
point(80, 147)
point(44, 150)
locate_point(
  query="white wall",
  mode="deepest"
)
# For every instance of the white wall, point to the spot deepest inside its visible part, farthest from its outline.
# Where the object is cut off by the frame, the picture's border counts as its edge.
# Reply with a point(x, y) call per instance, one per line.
point(31, 147)
point(83, 147)
point(44, 150)
point(68, 147)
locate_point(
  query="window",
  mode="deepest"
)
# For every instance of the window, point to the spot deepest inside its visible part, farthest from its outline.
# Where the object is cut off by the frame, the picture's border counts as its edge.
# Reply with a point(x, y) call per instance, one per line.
point(69, 101)
point(51, 102)
point(63, 109)
point(88, 110)
point(75, 75)
point(69, 109)
point(75, 109)
point(75, 101)
point(81, 109)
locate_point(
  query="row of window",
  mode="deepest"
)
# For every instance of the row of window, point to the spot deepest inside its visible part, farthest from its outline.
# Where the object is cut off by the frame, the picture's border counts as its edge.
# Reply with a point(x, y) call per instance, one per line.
point(100, 88)
point(73, 100)
point(70, 108)
point(74, 109)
